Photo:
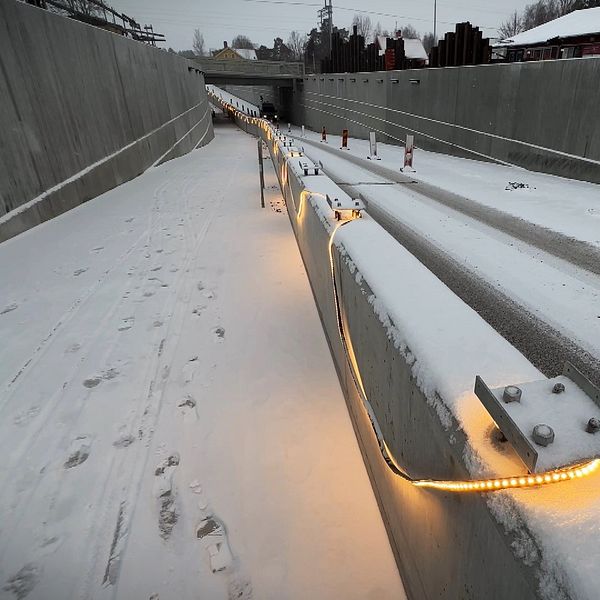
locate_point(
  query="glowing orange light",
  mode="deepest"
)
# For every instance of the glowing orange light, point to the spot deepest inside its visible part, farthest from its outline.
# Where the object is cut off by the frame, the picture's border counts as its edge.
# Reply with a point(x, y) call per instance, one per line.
point(491, 485)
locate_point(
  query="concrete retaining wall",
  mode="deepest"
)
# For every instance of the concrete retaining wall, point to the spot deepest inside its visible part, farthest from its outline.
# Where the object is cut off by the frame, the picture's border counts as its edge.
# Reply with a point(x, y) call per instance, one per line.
point(446, 545)
point(539, 115)
point(84, 110)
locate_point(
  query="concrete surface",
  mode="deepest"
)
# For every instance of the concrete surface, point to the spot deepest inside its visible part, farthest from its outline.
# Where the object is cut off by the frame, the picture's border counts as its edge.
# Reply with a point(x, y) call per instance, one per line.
point(539, 115)
point(85, 110)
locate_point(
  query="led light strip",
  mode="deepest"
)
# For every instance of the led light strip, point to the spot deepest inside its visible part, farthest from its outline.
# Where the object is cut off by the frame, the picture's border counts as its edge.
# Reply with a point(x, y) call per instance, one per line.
point(487, 485)
point(484, 485)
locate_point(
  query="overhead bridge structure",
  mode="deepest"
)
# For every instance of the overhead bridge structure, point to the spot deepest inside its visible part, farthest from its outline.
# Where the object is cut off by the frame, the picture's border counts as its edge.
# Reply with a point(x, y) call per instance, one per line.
point(250, 72)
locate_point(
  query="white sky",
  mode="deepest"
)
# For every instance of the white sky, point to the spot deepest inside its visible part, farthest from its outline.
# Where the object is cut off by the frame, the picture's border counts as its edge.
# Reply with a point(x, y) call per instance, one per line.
point(220, 20)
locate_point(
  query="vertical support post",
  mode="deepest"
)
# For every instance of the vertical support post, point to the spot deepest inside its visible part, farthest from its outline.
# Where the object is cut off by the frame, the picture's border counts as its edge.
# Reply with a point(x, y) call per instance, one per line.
point(261, 173)
point(409, 152)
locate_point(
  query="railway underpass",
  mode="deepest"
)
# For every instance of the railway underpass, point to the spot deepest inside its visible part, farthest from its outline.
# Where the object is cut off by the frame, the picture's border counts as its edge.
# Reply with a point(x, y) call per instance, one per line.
point(380, 384)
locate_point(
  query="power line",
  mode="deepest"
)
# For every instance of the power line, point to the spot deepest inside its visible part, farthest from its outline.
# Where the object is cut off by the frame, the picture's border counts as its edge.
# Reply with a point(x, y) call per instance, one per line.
point(359, 10)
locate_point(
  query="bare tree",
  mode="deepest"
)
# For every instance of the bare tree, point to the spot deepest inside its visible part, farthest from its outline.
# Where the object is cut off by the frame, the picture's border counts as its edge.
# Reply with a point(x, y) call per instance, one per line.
point(377, 31)
point(511, 26)
point(429, 42)
point(81, 6)
point(198, 43)
point(363, 25)
point(410, 33)
point(541, 12)
point(297, 45)
point(242, 42)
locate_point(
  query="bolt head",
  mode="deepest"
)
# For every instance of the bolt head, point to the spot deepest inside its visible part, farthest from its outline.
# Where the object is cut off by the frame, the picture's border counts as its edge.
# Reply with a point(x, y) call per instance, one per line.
point(543, 435)
point(559, 388)
point(593, 425)
point(512, 393)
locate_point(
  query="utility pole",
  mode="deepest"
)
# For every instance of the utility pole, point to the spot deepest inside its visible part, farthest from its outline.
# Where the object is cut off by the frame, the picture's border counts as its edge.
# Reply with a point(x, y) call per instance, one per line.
point(327, 13)
point(261, 173)
point(435, 21)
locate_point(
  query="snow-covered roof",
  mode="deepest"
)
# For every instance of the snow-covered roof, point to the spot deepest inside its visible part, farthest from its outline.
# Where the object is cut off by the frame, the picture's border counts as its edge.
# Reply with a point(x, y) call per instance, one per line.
point(579, 22)
point(246, 53)
point(413, 48)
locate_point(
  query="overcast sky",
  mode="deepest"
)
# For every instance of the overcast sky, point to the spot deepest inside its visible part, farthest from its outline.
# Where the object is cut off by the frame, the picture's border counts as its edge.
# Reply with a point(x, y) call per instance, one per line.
point(264, 20)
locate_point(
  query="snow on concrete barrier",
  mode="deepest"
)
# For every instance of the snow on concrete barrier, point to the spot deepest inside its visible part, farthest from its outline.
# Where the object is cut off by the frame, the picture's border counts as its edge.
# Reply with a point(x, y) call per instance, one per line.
point(404, 342)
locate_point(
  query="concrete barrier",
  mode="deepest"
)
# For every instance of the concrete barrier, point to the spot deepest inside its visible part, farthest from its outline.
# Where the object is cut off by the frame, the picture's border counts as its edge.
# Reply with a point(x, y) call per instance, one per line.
point(84, 110)
point(538, 115)
point(467, 546)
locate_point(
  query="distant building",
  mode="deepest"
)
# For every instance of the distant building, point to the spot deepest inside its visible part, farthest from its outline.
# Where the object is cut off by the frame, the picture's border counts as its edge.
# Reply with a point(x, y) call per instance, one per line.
point(415, 56)
point(575, 35)
point(227, 53)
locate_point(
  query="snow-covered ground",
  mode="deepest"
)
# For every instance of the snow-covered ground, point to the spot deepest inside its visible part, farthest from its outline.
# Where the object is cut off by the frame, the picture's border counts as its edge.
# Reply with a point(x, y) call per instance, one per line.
point(169, 406)
point(568, 206)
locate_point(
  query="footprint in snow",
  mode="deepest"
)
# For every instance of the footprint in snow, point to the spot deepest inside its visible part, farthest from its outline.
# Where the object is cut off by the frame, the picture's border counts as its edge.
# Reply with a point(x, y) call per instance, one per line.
point(157, 323)
point(124, 441)
point(129, 220)
point(156, 269)
point(22, 583)
point(126, 323)
point(80, 451)
point(189, 369)
point(219, 333)
point(211, 532)
point(98, 249)
point(188, 407)
point(239, 588)
point(198, 310)
point(92, 382)
point(73, 348)
point(78, 272)
point(107, 375)
point(148, 294)
point(50, 544)
point(26, 416)
point(165, 493)
point(9, 308)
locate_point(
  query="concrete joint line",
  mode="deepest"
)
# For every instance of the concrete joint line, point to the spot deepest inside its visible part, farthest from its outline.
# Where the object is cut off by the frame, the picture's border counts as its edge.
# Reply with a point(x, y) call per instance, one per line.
point(455, 126)
point(23, 207)
point(159, 160)
point(431, 137)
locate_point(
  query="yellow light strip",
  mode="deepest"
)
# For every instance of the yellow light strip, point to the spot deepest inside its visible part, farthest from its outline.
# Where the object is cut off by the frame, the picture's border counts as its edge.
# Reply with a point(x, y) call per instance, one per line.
point(488, 485)
point(523, 481)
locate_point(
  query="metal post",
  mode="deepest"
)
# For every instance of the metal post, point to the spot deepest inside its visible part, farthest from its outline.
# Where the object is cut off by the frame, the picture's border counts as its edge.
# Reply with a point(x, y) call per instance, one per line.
point(261, 173)
point(435, 21)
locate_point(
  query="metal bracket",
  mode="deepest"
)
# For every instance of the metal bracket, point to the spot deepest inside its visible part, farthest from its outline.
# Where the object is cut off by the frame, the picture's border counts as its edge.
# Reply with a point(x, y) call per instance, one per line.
point(566, 409)
point(507, 426)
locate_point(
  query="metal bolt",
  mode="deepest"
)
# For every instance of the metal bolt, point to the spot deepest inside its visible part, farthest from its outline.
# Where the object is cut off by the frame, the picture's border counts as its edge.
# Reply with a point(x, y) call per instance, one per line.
point(543, 435)
point(512, 394)
point(558, 388)
point(593, 425)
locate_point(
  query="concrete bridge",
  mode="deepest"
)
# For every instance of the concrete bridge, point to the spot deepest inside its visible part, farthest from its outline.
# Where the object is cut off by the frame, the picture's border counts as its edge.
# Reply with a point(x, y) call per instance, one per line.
point(250, 72)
